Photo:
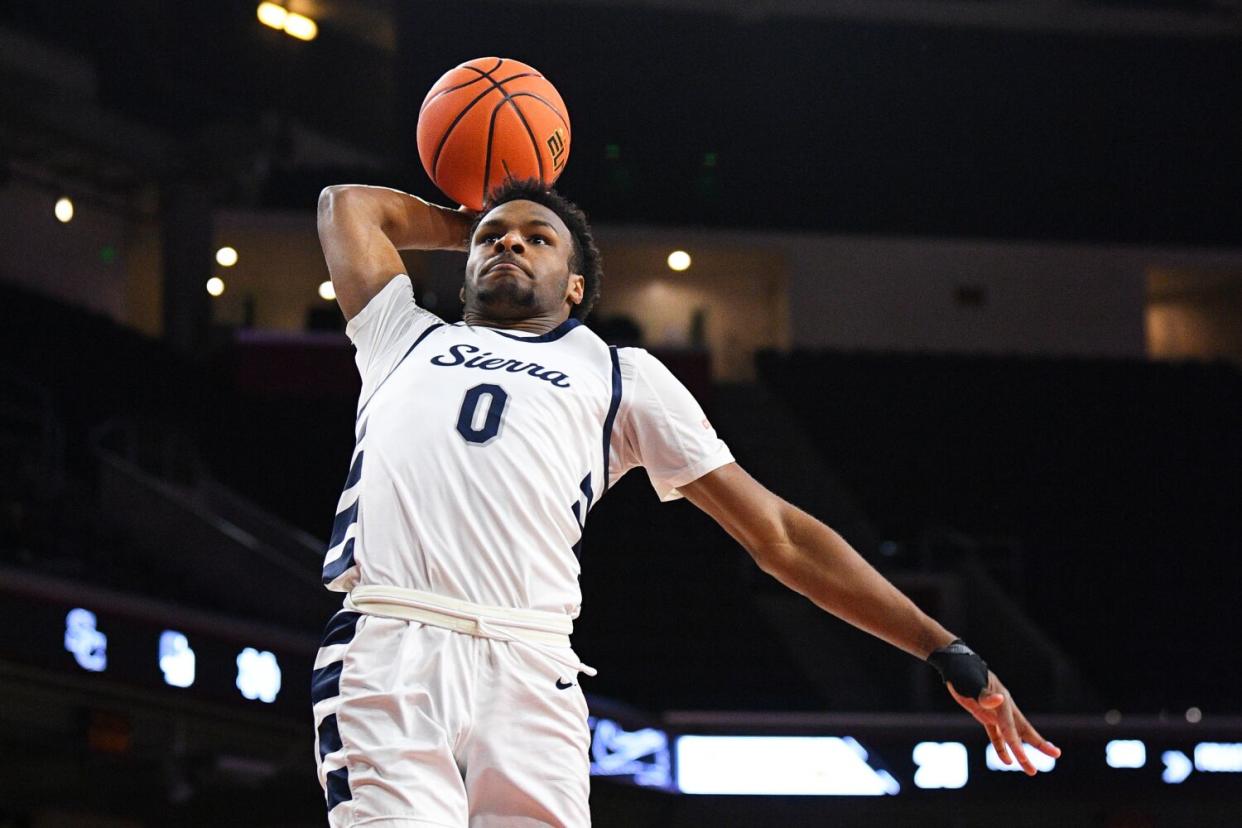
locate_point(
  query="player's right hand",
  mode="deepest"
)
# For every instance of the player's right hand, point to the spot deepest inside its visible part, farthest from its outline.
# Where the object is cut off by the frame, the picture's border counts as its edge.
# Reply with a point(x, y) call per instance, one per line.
point(1006, 727)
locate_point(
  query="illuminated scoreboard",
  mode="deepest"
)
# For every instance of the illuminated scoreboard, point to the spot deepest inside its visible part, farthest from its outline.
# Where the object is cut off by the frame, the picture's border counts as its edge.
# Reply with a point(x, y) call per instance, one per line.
point(108, 644)
point(103, 639)
point(904, 755)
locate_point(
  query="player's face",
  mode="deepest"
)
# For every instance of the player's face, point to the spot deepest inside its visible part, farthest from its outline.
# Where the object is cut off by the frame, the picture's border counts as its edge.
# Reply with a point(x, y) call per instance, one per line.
point(519, 265)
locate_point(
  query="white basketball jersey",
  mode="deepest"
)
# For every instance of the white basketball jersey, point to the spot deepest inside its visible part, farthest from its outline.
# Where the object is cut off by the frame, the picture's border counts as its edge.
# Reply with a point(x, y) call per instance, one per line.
point(480, 451)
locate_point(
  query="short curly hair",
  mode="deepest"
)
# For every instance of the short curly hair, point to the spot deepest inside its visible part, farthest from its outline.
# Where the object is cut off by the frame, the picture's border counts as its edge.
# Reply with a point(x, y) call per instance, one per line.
point(585, 258)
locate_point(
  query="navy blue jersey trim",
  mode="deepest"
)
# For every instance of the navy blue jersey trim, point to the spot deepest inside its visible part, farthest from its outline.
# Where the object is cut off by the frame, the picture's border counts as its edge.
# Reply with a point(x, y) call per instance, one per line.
point(585, 488)
point(580, 512)
point(341, 628)
point(576, 508)
point(551, 336)
point(612, 412)
point(342, 522)
point(421, 337)
point(338, 787)
point(355, 471)
point(326, 682)
point(339, 566)
point(329, 736)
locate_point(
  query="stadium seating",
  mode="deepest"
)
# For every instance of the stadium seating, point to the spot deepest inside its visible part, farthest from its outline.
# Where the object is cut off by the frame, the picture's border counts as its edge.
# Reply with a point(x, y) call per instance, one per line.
point(1057, 473)
point(1090, 471)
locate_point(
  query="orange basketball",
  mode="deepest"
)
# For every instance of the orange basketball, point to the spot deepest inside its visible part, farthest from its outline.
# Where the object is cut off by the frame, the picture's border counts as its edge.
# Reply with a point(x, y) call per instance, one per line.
point(491, 119)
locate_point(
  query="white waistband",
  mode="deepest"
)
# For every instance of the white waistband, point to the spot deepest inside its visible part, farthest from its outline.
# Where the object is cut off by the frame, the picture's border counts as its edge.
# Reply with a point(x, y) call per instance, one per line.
point(541, 630)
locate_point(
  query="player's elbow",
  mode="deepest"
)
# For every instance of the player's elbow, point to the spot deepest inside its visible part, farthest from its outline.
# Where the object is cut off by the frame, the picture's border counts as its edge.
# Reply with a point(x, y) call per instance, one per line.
point(328, 198)
point(786, 551)
point(777, 559)
point(774, 549)
point(337, 199)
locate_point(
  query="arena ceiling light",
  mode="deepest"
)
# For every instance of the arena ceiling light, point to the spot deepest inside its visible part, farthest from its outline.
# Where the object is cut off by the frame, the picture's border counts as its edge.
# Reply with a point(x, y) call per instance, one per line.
point(678, 260)
point(64, 210)
point(301, 27)
point(293, 24)
point(226, 256)
point(272, 15)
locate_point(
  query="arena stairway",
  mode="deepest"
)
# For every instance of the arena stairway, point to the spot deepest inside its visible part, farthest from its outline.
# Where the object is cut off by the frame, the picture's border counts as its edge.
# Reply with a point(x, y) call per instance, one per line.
point(114, 424)
point(1118, 479)
point(189, 527)
point(849, 668)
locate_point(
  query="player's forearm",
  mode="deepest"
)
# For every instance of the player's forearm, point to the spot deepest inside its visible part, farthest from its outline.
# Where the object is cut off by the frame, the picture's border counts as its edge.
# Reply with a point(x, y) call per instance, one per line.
point(818, 563)
point(362, 229)
point(407, 221)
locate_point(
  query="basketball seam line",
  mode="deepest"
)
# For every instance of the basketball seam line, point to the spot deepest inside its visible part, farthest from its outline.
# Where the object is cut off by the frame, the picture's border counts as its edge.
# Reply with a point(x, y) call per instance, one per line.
point(545, 102)
point(491, 128)
point(491, 131)
point(530, 133)
point(435, 161)
point(444, 92)
point(499, 61)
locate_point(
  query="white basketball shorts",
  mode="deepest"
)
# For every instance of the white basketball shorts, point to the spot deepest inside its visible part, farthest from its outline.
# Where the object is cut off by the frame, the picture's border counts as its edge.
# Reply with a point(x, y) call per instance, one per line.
point(418, 725)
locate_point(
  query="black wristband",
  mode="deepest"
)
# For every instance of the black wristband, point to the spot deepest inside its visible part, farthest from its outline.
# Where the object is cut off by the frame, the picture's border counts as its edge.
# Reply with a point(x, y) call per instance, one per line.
point(957, 663)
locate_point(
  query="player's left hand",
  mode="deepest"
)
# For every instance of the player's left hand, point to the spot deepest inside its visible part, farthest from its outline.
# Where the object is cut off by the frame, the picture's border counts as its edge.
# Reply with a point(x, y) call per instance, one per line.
point(1006, 726)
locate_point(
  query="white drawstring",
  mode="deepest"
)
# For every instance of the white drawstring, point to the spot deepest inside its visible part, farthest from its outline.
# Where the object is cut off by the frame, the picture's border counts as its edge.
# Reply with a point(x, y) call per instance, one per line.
point(564, 658)
point(544, 632)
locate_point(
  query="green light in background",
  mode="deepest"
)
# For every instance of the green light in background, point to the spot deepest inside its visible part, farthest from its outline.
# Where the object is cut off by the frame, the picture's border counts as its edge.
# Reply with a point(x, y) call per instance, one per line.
point(709, 159)
point(612, 151)
point(107, 254)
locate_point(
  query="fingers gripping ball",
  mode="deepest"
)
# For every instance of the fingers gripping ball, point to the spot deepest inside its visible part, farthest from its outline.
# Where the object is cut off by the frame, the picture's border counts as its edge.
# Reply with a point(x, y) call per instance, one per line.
point(961, 666)
point(487, 120)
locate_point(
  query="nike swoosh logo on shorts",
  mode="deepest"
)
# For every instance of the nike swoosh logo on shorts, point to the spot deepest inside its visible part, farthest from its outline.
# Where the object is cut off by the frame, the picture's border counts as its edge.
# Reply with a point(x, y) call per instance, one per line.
point(562, 686)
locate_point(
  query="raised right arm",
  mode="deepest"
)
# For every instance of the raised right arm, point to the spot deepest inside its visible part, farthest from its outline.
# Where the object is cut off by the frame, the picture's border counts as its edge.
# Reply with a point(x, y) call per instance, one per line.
point(361, 228)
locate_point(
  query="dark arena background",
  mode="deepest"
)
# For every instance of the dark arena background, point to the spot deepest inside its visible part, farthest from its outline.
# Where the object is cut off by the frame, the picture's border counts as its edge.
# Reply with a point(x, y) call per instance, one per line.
point(962, 279)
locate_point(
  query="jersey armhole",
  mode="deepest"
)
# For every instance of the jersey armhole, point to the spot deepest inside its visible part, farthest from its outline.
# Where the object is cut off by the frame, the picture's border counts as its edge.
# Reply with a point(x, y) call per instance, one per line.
point(622, 459)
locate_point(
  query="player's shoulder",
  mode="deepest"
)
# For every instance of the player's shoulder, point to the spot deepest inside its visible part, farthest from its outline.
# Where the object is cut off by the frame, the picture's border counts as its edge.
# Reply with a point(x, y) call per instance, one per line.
point(633, 359)
point(641, 368)
point(390, 314)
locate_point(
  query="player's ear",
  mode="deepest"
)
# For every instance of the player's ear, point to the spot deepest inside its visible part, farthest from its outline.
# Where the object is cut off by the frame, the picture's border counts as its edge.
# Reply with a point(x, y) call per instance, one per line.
point(461, 294)
point(576, 288)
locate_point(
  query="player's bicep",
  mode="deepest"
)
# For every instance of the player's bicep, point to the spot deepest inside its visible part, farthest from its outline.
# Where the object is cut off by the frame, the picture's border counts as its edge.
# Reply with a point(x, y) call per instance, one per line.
point(361, 259)
point(743, 507)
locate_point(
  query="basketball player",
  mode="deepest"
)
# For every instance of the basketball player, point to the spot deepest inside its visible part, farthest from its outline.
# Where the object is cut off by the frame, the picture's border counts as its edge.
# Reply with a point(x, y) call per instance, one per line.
point(446, 692)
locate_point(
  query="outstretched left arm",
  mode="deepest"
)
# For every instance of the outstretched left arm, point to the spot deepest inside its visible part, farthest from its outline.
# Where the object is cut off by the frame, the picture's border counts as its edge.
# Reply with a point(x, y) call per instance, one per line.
point(813, 560)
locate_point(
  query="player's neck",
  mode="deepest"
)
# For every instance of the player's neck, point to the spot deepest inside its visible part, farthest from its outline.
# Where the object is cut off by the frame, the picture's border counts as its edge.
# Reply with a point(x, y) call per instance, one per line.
point(533, 324)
